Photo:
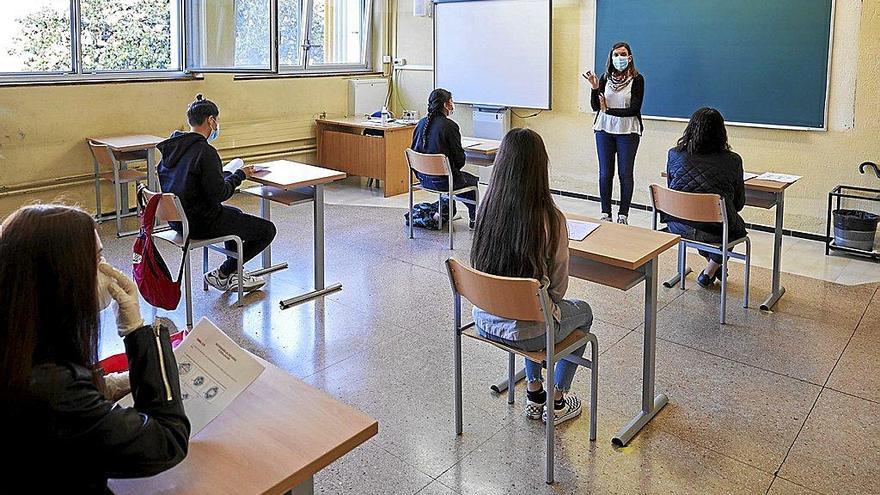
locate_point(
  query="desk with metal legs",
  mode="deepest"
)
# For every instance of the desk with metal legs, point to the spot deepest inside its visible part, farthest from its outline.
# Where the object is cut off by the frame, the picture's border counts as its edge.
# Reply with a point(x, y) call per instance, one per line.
point(292, 183)
point(623, 256)
point(763, 194)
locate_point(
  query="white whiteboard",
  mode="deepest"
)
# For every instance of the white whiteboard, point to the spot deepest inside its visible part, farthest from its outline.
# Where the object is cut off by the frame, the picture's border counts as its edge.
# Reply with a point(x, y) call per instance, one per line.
point(494, 52)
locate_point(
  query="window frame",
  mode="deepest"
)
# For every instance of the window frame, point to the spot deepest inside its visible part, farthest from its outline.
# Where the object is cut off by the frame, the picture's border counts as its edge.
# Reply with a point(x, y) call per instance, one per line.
point(186, 71)
point(78, 75)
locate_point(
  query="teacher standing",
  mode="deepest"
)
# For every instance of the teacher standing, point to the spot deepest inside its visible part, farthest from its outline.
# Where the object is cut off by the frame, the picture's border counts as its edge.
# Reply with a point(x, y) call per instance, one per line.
point(617, 98)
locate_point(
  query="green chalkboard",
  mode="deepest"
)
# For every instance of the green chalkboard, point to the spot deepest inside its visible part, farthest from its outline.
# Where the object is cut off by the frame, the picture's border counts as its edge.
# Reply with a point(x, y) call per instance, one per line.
point(757, 61)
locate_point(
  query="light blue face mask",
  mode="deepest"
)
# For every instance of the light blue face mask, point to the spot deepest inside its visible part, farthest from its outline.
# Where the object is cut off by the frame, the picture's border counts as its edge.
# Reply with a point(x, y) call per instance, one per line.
point(621, 63)
point(214, 133)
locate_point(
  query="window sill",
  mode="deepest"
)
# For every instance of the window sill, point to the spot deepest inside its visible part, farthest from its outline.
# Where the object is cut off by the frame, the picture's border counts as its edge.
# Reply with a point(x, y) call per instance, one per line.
point(299, 75)
point(92, 79)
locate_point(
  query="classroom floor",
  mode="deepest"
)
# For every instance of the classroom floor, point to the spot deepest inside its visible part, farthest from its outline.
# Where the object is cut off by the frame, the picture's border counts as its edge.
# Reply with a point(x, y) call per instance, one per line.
point(783, 403)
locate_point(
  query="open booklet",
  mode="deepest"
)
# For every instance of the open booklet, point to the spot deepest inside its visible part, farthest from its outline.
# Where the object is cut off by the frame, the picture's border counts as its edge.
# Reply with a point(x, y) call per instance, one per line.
point(579, 230)
point(213, 371)
point(237, 163)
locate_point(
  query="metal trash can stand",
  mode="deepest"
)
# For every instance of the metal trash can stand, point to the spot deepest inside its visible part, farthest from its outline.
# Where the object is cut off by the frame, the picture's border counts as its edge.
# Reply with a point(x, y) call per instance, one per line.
point(855, 229)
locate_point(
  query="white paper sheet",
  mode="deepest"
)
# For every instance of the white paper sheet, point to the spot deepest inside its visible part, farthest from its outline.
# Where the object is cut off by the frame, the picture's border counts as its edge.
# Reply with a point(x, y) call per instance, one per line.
point(578, 230)
point(233, 165)
point(213, 371)
point(467, 143)
point(788, 179)
point(748, 176)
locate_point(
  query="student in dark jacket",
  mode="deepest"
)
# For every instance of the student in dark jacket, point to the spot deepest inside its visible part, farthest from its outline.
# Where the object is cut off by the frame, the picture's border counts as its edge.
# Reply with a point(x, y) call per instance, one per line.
point(703, 163)
point(192, 170)
point(64, 433)
point(436, 133)
point(616, 98)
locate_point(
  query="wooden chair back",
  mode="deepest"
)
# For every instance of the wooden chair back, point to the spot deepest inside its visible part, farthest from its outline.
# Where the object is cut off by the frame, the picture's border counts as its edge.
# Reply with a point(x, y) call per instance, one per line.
point(103, 156)
point(695, 207)
point(506, 297)
point(169, 210)
point(427, 164)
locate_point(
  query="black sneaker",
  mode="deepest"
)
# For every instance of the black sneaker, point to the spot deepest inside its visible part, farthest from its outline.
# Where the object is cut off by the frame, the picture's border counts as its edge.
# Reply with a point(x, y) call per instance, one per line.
point(705, 281)
point(472, 224)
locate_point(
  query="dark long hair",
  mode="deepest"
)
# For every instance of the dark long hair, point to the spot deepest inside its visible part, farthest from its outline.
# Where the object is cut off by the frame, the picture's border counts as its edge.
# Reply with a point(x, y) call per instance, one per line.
point(705, 133)
point(517, 224)
point(436, 102)
point(611, 70)
point(49, 310)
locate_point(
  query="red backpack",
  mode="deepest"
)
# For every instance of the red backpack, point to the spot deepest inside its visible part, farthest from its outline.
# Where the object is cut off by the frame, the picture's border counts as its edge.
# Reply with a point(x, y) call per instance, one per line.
point(148, 268)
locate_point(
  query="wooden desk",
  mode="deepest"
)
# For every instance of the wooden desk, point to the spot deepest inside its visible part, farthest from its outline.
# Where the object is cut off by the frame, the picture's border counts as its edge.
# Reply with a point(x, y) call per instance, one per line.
point(273, 438)
point(622, 256)
point(366, 149)
point(481, 154)
point(139, 142)
point(765, 194)
point(291, 183)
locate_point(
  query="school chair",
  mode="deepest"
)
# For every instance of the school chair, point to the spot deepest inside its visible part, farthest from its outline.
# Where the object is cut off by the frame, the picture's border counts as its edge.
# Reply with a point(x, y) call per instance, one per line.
point(518, 299)
point(104, 158)
point(435, 165)
point(171, 210)
point(707, 208)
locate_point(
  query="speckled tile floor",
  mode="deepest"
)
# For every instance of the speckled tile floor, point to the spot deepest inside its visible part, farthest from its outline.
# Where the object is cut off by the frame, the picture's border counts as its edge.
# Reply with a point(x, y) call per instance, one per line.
point(783, 402)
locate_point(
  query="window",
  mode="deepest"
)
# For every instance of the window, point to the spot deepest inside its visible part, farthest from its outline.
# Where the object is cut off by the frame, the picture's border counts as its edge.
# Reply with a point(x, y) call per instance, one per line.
point(59, 40)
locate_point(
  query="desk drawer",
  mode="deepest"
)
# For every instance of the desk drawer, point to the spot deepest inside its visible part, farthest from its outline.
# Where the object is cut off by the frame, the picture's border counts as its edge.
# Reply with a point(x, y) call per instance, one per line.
point(354, 154)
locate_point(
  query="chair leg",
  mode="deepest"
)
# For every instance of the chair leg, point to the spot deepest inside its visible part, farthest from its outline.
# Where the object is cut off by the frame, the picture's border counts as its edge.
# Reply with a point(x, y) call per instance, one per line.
point(440, 213)
point(594, 386)
point(240, 271)
point(550, 430)
point(450, 225)
point(457, 384)
point(410, 207)
point(204, 268)
point(116, 193)
point(682, 263)
point(187, 280)
point(724, 259)
point(748, 269)
point(98, 198)
point(511, 380)
point(137, 204)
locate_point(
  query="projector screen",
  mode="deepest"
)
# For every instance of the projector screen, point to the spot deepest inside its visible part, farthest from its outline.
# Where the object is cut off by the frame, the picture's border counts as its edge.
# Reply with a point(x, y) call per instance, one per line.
point(494, 52)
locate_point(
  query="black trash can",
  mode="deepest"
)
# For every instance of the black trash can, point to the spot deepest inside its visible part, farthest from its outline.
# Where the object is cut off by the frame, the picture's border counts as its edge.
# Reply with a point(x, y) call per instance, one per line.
point(855, 229)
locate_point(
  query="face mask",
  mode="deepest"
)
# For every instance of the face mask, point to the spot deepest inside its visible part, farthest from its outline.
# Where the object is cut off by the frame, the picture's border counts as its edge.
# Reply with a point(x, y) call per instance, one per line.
point(104, 297)
point(214, 133)
point(621, 63)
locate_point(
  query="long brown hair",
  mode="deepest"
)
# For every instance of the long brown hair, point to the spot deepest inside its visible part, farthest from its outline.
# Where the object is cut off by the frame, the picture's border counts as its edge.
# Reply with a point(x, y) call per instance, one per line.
point(705, 133)
point(517, 225)
point(611, 70)
point(49, 310)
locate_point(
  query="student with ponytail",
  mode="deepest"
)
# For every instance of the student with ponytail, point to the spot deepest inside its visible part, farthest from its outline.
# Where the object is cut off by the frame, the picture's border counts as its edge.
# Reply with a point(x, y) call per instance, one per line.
point(436, 133)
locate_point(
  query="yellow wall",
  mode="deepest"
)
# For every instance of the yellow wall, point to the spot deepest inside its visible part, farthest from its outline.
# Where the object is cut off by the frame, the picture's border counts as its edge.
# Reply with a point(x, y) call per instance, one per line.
point(824, 159)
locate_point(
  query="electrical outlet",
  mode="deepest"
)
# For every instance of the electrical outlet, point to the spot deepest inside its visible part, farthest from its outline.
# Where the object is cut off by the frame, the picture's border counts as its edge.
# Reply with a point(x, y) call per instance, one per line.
point(386, 59)
point(399, 61)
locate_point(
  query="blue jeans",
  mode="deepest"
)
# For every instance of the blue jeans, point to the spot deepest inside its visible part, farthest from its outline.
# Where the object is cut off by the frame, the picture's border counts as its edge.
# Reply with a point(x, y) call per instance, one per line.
point(624, 147)
point(574, 314)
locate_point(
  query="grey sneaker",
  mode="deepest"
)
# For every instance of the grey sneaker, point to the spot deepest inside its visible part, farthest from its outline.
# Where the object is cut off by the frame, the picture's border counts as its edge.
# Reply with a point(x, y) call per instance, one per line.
point(217, 281)
point(622, 219)
point(248, 282)
point(571, 408)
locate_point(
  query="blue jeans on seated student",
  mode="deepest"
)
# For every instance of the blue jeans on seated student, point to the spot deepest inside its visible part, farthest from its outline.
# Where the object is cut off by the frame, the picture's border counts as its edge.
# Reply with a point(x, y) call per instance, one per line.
point(459, 180)
point(573, 315)
point(715, 237)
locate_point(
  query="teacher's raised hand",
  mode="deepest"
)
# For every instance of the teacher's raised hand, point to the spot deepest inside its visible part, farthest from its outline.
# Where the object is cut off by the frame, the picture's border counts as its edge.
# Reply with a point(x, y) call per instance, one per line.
point(592, 79)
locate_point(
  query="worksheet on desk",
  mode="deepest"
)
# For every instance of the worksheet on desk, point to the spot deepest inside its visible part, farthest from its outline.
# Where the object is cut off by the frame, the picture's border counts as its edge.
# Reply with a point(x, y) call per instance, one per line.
point(579, 230)
point(213, 371)
point(784, 178)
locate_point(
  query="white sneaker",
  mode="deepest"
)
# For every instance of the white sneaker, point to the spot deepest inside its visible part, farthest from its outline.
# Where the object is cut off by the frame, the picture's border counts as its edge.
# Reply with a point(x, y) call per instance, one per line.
point(621, 219)
point(216, 281)
point(571, 408)
point(534, 410)
point(248, 282)
point(605, 217)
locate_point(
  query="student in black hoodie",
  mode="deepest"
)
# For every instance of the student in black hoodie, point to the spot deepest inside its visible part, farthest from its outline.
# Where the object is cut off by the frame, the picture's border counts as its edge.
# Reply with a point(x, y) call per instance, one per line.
point(192, 170)
point(436, 133)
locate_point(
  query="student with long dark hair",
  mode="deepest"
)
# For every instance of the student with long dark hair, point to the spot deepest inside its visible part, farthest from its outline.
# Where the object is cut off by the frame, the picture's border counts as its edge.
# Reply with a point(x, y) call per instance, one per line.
point(436, 133)
point(616, 98)
point(521, 233)
point(702, 162)
point(191, 169)
point(64, 432)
